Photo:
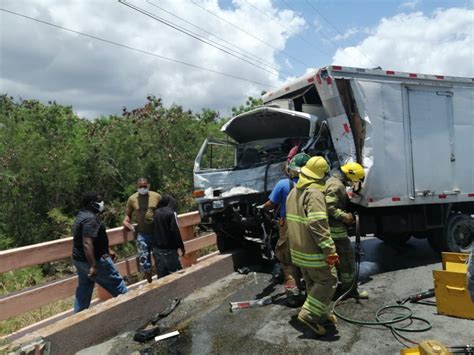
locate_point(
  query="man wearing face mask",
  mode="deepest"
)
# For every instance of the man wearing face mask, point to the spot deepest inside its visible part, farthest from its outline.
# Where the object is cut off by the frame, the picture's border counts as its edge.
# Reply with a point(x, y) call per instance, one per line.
point(142, 203)
point(91, 254)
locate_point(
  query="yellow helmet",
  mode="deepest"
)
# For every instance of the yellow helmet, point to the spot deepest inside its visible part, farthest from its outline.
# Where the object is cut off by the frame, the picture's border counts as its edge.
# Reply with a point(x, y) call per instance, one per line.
point(316, 168)
point(353, 171)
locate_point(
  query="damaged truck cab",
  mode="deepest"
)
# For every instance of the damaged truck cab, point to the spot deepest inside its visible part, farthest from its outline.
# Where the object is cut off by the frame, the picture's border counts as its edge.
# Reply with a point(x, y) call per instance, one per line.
point(232, 177)
point(411, 132)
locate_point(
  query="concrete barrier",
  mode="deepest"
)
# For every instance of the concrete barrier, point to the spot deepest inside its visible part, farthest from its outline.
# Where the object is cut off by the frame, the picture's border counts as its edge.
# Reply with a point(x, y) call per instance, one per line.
point(126, 312)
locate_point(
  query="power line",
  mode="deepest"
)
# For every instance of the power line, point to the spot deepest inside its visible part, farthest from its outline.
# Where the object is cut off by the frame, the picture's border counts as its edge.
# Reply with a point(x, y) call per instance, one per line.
point(136, 49)
point(194, 35)
point(251, 55)
point(286, 28)
point(250, 34)
point(320, 32)
point(335, 28)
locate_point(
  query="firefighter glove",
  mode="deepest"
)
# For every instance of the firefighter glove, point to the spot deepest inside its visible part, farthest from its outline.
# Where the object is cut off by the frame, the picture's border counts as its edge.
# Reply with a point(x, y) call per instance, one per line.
point(348, 218)
point(332, 259)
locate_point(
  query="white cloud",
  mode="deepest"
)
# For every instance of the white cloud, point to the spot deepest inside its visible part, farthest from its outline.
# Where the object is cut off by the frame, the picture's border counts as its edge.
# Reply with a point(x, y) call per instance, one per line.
point(97, 78)
point(350, 32)
point(411, 4)
point(441, 43)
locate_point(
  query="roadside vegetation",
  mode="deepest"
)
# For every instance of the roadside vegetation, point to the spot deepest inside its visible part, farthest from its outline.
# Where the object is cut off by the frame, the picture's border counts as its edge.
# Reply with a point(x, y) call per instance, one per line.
point(49, 157)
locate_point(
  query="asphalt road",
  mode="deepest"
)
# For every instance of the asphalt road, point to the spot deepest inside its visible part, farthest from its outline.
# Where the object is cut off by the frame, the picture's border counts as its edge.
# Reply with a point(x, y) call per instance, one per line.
point(388, 273)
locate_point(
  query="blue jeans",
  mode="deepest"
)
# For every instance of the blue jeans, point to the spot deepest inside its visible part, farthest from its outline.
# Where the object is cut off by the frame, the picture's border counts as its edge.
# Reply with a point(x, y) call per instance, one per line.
point(167, 261)
point(144, 252)
point(107, 276)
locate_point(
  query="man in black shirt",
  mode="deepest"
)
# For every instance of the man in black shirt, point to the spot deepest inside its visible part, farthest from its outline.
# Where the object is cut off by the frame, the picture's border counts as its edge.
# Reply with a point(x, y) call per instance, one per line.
point(91, 254)
point(166, 237)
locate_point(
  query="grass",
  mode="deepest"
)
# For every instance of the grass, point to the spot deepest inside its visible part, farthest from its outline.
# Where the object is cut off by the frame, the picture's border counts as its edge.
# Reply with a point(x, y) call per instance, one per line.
point(14, 324)
point(206, 250)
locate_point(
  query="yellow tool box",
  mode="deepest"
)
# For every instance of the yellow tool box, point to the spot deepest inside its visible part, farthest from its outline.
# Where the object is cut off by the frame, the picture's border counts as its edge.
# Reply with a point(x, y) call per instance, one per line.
point(452, 295)
point(428, 347)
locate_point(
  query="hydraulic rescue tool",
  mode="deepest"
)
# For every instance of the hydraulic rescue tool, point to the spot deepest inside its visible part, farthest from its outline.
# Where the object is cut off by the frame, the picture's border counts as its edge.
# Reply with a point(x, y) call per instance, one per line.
point(418, 297)
point(255, 303)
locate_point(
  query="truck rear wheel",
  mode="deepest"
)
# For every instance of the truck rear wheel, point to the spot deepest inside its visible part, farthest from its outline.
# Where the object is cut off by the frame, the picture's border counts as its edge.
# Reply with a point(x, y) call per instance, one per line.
point(458, 234)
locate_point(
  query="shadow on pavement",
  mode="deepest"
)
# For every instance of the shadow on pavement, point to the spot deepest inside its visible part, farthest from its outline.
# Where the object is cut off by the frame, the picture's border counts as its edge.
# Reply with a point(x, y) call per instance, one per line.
point(380, 257)
point(332, 333)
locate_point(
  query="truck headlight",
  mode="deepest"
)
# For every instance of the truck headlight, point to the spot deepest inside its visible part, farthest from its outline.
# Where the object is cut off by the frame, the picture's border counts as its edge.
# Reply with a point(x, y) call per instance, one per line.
point(218, 204)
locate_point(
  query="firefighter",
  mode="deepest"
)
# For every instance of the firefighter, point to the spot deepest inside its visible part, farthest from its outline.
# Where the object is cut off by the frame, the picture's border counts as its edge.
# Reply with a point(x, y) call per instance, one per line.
point(276, 199)
point(340, 219)
point(311, 246)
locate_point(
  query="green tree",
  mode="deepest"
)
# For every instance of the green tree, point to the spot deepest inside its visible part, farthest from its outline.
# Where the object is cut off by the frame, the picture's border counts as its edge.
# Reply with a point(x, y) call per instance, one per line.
point(250, 104)
point(49, 157)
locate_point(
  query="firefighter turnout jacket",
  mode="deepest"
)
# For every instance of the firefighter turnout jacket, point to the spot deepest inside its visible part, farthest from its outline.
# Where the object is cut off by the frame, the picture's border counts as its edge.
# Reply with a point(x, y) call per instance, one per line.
point(308, 229)
point(336, 204)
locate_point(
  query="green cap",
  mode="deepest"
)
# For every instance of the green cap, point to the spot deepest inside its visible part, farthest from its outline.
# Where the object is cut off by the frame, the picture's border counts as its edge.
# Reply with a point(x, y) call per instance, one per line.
point(298, 161)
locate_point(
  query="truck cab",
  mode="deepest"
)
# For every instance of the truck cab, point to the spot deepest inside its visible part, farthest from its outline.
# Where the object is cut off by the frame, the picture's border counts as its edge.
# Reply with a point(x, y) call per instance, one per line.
point(234, 175)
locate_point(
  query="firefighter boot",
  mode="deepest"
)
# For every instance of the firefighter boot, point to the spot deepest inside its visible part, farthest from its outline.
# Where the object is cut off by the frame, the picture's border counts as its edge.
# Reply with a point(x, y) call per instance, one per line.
point(357, 294)
point(316, 327)
point(331, 320)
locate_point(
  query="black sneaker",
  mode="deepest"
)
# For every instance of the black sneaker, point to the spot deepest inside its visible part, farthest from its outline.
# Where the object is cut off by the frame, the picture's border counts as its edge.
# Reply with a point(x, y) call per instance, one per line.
point(148, 276)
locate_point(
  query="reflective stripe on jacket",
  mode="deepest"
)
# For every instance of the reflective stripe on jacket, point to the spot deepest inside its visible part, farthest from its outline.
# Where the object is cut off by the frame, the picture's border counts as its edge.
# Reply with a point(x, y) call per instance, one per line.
point(336, 203)
point(308, 229)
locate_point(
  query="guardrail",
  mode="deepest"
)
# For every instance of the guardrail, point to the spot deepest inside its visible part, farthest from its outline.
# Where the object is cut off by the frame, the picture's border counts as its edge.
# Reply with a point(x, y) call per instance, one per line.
point(23, 301)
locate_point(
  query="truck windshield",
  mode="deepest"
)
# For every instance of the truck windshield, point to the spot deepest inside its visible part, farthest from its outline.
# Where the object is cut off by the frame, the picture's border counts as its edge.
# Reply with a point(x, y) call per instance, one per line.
point(218, 155)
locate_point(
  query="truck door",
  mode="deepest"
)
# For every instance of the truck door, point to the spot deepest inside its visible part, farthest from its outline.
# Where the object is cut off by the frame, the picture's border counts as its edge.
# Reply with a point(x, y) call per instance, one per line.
point(431, 130)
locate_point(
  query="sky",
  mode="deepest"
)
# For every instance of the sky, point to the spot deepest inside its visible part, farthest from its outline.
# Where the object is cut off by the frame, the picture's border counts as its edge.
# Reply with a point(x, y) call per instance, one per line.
point(102, 55)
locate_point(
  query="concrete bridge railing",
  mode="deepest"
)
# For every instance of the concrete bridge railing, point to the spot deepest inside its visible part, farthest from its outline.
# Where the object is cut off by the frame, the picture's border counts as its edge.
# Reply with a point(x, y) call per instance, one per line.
point(19, 302)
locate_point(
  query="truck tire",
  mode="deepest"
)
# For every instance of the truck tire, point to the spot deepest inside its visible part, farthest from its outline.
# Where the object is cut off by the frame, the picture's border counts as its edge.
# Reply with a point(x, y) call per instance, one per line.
point(458, 233)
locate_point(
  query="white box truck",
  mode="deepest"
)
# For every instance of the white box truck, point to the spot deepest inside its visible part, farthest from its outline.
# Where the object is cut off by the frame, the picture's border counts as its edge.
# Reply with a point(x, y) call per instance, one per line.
point(413, 133)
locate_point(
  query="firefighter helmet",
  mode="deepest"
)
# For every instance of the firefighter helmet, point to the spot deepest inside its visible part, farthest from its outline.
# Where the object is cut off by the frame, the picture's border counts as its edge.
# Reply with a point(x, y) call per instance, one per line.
point(353, 171)
point(316, 168)
point(298, 161)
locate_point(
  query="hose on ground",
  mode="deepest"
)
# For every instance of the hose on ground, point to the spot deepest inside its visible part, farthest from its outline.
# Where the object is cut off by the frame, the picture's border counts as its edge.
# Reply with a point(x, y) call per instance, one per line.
point(400, 313)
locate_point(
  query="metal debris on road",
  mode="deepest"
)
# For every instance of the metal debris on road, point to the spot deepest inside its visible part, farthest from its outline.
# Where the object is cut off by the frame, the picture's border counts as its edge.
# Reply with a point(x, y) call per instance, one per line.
point(167, 335)
point(255, 303)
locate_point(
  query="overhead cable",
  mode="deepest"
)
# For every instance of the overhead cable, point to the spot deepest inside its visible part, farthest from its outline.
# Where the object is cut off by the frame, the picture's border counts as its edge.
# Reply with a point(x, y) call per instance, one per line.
point(250, 34)
point(320, 32)
point(195, 36)
point(286, 28)
point(250, 55)
point(136, 49)
point(337, 30)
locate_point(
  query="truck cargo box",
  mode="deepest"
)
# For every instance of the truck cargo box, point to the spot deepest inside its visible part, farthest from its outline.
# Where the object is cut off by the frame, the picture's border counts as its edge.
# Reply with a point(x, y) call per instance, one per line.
point(413, 133)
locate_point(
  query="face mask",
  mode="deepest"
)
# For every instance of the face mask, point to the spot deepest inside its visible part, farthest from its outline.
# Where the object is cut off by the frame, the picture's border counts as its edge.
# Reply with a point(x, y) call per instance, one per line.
point(99, 206)
point(143, 190)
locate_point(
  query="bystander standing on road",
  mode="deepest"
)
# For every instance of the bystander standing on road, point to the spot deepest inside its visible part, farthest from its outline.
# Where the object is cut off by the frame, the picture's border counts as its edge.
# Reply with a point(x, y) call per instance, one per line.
point(166, 237)
point(142, 204)
point(91, 254)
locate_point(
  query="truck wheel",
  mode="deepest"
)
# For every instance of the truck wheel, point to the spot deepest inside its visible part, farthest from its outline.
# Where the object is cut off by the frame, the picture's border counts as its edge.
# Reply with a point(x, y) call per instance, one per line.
point(458, 234)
